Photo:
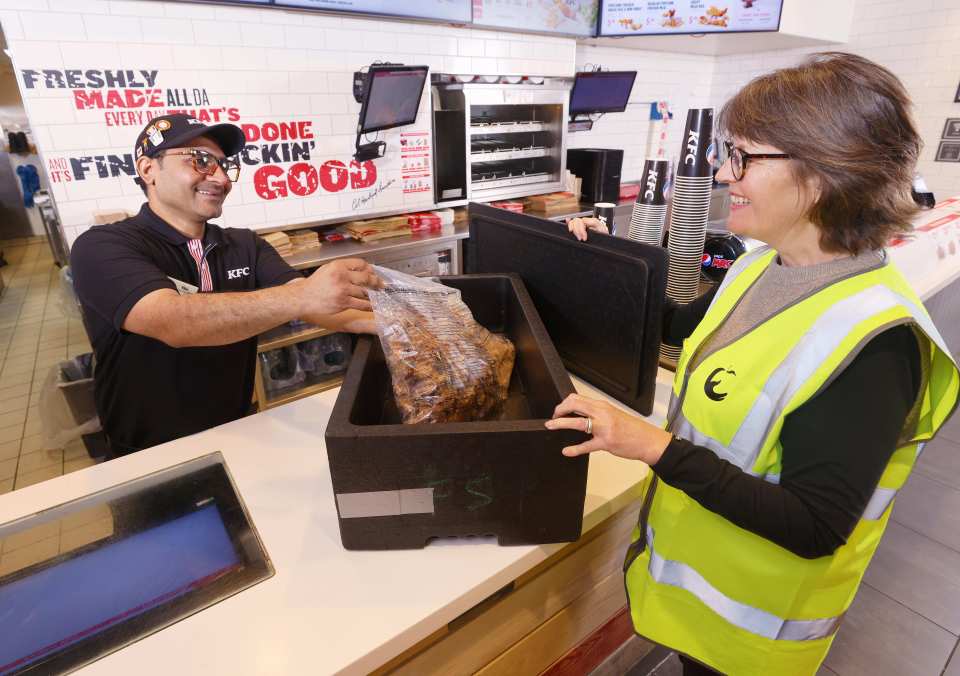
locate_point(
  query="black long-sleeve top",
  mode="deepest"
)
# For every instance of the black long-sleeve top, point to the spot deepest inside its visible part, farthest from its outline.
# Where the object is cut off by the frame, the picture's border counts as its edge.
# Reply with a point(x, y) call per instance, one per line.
point(835, 447)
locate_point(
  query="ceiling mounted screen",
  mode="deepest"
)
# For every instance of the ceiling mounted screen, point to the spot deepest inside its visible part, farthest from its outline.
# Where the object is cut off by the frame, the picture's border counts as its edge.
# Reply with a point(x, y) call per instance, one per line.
point(679, 17)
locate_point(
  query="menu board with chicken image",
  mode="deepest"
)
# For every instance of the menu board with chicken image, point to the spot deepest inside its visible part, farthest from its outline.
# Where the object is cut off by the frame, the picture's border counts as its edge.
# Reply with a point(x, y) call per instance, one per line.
point(668, 17)
point(564, 17)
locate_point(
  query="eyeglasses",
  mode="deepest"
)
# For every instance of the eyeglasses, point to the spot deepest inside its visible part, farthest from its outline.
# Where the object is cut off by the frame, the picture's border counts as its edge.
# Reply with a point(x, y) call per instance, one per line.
point(739, 159)
point(207, 164)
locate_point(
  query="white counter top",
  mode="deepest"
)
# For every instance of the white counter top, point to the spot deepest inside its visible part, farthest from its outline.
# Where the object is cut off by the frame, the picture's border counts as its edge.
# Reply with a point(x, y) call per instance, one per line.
point(930, 258)
point(327, 609)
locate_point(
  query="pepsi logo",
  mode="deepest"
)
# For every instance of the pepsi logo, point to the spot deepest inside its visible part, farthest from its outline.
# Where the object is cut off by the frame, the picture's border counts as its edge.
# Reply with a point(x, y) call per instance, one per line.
point(716, 262)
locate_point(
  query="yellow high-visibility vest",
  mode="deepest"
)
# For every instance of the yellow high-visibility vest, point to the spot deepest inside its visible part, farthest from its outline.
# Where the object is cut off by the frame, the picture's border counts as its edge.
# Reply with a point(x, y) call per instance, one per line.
point(721, 594)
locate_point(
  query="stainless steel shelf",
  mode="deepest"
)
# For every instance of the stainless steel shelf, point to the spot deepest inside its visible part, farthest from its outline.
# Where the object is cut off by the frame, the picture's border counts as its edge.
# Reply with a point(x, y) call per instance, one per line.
point(351, 249)
point(506, 128)
point(492, 133)
point(511, 181)
point(503, 155)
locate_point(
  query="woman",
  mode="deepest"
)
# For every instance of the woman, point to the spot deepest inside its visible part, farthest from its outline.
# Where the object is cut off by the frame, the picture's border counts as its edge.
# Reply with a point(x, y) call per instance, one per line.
point(807, 383)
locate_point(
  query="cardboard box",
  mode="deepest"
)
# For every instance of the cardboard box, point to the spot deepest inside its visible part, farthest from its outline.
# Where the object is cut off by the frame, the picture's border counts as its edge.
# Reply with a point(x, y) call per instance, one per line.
point(105, 217)
point(397, 486)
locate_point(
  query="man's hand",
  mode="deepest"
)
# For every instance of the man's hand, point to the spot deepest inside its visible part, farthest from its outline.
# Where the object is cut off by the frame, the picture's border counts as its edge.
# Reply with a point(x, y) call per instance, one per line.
point(335, 287)
point(333, 297)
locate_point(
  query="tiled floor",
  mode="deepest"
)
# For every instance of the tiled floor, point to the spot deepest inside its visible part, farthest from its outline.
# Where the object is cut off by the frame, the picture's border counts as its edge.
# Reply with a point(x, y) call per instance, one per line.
point(34, 336)
point(906, 617)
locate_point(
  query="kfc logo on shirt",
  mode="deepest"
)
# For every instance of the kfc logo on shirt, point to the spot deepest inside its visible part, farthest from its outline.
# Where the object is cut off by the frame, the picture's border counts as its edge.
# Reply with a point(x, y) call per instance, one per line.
point(237, 273)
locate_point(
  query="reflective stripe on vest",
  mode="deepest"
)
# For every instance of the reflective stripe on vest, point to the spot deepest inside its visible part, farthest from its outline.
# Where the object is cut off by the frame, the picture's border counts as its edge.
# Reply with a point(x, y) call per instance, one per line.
point(741, 264)
point(879, 501)
point(823, 337)
point(882, 497)
point(756, 621)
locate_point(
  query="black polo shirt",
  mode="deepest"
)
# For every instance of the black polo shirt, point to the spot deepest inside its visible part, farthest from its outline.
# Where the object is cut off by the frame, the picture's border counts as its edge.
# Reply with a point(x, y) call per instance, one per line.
point(146, 391)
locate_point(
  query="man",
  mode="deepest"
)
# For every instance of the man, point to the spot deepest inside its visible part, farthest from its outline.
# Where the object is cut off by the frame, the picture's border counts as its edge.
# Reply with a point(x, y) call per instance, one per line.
point(173, 304)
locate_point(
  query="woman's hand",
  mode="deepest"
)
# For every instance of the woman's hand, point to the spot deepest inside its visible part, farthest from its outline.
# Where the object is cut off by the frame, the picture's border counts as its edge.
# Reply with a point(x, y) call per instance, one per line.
point(580, 226)
point(619, 433)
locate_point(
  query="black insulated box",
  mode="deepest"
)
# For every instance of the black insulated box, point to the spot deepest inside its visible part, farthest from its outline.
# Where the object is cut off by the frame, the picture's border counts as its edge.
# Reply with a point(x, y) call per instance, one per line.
point(398, 486)
point(601, 300)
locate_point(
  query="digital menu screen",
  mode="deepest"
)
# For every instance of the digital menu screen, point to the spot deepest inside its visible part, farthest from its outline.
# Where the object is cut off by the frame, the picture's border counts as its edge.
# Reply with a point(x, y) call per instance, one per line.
point(454, 11)
point(671, 17)
point(563, 17)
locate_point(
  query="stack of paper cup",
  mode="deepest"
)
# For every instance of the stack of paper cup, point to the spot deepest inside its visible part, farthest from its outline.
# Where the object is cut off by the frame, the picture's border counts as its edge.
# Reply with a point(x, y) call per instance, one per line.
point(650, 209)
point(690, 208)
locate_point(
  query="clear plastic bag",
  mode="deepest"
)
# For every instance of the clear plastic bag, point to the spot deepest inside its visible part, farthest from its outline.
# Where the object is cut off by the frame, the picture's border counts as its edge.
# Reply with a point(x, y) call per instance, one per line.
point(67, 300)
point(281, 369)
point(67, 409)
point(325, 355)
point(445, 367)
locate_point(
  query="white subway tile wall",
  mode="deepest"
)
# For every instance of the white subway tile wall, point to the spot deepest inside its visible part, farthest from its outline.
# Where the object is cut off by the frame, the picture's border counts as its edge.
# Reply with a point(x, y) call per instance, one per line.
point(272, 64)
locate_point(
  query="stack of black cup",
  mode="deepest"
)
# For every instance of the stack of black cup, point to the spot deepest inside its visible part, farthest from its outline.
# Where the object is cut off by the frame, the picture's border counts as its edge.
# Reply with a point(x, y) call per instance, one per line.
point(690, 208)
point(650, 209)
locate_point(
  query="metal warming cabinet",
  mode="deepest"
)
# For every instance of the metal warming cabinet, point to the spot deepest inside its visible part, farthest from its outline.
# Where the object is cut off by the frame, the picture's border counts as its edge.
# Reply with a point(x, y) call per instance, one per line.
point(495, 140)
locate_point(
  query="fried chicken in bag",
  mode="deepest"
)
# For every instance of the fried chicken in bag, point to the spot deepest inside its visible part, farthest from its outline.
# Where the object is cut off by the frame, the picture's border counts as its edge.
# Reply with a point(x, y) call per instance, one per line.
point(445, 367)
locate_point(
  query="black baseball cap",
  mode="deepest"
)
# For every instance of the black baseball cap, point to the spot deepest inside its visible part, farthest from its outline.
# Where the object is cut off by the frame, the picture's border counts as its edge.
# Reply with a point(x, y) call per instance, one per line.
point(172, 131)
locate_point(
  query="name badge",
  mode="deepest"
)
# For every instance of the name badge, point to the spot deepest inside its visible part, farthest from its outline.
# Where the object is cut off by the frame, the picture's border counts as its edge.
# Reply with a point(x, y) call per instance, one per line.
point(182, 287)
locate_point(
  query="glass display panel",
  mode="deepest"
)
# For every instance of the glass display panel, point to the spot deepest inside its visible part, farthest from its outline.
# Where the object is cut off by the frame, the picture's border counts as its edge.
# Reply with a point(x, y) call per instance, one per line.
point(88, 577)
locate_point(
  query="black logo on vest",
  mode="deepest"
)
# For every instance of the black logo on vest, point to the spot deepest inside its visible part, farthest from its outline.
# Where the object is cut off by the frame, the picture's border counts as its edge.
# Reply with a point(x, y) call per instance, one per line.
point(710, 387)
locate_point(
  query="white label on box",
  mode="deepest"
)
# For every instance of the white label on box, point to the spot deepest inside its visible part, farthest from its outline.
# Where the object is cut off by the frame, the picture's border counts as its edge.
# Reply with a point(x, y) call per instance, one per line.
point(385, 503)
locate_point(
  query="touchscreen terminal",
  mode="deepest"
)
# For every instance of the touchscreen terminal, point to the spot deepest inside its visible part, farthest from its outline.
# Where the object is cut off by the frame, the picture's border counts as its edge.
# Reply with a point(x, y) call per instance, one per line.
point(87, 577)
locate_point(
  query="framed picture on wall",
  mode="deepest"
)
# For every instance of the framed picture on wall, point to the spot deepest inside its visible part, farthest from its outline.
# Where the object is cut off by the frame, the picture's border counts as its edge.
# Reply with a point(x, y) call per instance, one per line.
point(952, 128)
point(949, 151)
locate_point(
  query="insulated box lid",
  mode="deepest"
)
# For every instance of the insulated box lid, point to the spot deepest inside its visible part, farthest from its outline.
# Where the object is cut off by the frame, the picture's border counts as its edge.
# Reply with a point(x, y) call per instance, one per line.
point(600, 300)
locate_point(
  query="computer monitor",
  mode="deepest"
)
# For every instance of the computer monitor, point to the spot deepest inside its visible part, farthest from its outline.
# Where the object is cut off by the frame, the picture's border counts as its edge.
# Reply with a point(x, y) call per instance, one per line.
point(392, 97)
point(601, 91)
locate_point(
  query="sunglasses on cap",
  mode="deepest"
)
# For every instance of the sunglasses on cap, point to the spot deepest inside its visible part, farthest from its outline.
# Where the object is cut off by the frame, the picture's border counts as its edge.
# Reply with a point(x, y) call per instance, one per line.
point(206, 163)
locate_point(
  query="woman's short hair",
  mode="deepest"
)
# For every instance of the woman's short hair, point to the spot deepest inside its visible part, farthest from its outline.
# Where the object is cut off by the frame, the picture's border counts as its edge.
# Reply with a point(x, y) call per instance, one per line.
point(845, 121)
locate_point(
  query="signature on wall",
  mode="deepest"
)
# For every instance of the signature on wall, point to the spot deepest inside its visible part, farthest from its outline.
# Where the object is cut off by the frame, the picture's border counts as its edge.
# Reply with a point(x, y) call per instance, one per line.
point(360, 202)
